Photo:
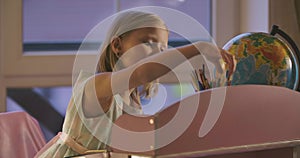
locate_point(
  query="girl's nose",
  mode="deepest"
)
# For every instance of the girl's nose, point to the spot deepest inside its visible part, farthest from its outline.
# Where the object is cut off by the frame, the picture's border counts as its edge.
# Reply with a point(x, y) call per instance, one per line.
point(157, 48)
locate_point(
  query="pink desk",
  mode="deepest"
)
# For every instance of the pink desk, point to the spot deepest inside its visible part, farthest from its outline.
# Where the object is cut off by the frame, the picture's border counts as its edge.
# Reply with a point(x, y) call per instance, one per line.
point(255, 121)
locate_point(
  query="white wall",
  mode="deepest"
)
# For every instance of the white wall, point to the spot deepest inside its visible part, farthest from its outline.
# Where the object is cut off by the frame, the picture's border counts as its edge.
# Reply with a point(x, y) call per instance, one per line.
point(254, 16)
point(233, 17)
point(226, 20)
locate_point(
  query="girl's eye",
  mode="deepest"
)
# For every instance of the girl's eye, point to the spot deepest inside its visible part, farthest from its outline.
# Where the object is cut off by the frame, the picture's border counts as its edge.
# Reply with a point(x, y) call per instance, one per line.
point(153, 45)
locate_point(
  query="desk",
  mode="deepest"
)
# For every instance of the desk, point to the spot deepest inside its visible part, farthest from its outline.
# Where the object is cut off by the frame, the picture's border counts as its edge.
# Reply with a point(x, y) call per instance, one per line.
point(254, 121)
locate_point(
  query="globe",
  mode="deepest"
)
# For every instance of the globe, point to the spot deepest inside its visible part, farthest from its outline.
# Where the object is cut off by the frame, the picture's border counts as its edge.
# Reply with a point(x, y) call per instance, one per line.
point(263, 59)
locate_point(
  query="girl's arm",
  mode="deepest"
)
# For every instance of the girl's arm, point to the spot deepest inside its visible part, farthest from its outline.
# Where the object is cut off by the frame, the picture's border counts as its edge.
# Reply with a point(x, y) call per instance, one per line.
point(146, 70)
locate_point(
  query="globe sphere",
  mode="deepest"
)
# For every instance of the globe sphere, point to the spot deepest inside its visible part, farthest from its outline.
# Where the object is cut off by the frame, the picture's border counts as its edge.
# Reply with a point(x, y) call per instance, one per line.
point(263, 59)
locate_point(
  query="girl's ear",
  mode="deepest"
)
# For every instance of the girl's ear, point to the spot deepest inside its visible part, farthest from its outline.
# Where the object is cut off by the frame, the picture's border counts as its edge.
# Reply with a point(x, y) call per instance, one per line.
point(116, 46)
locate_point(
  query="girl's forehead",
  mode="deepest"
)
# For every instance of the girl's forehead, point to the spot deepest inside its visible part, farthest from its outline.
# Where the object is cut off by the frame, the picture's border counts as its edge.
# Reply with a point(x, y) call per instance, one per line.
point(156, 34)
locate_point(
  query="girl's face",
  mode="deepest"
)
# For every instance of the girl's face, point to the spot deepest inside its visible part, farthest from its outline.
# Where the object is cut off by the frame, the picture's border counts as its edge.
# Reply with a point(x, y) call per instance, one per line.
point(140, 43)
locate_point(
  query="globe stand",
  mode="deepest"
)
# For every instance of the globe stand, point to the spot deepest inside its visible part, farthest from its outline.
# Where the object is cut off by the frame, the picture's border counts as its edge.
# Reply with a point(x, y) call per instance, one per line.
point(275, 30)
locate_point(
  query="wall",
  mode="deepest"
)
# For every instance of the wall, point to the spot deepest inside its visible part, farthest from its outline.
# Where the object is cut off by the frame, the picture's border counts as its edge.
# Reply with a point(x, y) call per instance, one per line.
point(283, 14)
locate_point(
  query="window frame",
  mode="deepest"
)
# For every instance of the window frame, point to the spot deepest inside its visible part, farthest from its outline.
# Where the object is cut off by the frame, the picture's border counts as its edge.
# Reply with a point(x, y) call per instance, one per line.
point(19, 68)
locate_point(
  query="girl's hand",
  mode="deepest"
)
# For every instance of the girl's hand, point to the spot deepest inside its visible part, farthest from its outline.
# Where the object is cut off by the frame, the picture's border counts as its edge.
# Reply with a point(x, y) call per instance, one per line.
point(214, 54)
point(230, 62)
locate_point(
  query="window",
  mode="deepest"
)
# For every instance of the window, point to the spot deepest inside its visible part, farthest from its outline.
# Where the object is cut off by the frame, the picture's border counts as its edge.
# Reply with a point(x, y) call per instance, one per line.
point(60, 26)
point(54, 25)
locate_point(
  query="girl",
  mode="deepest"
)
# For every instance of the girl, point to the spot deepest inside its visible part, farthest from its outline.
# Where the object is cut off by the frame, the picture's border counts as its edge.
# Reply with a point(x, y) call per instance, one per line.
point(128, 68)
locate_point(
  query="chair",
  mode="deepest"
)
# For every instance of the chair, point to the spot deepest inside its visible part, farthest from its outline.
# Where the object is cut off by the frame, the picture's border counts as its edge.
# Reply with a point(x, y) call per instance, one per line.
point(20, 135)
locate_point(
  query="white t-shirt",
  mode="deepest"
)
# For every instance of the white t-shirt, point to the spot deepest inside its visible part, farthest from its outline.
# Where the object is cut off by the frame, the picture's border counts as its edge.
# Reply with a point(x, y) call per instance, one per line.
point(91, 133)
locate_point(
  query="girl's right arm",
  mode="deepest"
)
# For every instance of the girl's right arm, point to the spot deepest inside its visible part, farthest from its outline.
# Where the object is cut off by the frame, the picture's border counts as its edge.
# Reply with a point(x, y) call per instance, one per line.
point(103, 86)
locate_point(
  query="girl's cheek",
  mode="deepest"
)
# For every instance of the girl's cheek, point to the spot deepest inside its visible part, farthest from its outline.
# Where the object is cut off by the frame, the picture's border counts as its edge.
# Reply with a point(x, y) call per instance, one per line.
point(134, 54)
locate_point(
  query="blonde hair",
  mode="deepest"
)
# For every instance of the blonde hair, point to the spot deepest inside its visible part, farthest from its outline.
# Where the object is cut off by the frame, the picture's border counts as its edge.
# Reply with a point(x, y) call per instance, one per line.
point(124, 23)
